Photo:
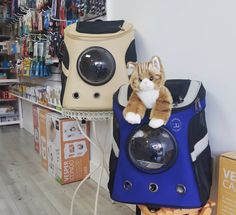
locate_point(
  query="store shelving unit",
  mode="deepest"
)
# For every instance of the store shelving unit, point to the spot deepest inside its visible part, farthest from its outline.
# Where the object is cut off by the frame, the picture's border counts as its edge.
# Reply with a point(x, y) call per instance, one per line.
point(7, 81)
point(1, 68)
point(36, 103)
point(10, 123)
point(15, 115)
point(10, 118)
point(7, 100)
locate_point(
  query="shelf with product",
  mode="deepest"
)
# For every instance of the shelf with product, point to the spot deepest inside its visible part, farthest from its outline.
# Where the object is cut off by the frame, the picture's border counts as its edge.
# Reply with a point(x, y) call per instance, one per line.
point(39, 93)
point(7, 100)
point(7, 62)
point(9, 109)
point(38, 29)
point(10, 106)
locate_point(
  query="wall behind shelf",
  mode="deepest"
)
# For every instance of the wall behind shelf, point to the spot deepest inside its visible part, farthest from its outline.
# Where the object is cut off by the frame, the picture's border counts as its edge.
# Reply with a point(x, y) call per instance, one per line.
point(195, 40)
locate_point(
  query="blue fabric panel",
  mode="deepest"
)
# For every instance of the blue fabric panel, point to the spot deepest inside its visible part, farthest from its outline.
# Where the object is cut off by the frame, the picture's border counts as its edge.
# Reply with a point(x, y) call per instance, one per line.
point(180, 173)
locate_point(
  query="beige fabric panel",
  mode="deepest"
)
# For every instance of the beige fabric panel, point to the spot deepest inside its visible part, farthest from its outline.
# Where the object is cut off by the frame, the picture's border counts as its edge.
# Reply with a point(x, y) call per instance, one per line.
point(117, 46)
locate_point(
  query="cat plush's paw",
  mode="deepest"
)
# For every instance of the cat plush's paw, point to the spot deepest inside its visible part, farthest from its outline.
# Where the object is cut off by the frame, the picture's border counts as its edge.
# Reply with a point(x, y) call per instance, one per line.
point(156, 123)
point(133, 118)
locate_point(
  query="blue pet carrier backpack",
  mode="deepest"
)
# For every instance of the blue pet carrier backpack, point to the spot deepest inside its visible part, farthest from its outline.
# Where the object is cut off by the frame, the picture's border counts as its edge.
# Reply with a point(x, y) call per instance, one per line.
point(165, 167)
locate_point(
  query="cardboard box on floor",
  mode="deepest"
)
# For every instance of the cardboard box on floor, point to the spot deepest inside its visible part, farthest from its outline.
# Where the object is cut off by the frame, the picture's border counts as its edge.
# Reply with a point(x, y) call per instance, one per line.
point(36, 127)
point(68, 150)
point(227, 184)
point(43, 137)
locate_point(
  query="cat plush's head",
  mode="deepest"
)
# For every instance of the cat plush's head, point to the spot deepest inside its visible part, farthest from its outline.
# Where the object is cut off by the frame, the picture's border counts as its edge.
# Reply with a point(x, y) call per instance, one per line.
point(146, 76)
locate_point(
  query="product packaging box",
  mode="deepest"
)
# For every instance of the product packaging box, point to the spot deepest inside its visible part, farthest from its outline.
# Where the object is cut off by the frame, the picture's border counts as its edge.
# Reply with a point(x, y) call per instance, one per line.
point(53, 141)
point(36, 127)
point(227, 184)
point(43, 137)
point(68, 149)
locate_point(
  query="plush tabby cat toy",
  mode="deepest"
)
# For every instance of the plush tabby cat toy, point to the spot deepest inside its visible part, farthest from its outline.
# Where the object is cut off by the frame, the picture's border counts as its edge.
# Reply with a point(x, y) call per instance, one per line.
point(147, 82)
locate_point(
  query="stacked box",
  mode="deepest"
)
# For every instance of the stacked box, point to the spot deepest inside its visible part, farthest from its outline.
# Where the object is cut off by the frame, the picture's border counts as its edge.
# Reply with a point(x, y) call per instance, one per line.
point(43, 137)
point(68, 150)
point(227, 184)
point(53, 140)
point(36, 127)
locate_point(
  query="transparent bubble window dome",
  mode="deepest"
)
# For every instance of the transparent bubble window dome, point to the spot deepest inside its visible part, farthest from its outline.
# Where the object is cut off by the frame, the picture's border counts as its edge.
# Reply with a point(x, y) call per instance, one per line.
point(96, 66)
point(152, 150)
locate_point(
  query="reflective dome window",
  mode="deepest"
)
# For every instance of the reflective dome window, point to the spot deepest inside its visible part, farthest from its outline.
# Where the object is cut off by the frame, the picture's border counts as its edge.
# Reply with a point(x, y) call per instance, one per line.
point(152, 150)
point(96, 66)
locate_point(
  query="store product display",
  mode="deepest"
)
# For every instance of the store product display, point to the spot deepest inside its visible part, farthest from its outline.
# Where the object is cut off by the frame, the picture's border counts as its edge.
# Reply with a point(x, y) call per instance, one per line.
point(67, 149)
point(9, 106)
point(63, 149)
point(160, 157)
point(98, 65)
point(45, 95)
point(36, 127)
point(165, 167)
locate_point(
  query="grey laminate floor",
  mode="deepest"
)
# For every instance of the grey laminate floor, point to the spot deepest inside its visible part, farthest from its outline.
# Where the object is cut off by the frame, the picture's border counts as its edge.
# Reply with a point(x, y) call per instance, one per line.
point(27, 189)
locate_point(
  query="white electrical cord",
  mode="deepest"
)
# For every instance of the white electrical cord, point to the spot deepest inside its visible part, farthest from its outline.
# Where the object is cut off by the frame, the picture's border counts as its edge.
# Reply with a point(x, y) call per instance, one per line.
point(101, 171)
point(88, 176)
point(101, 165)
point(104, 147)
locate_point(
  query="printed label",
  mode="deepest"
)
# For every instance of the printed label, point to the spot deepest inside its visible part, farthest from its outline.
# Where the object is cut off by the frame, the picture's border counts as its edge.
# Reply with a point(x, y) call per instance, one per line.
point(176, 124)
point(76, 149)
point(229, 181)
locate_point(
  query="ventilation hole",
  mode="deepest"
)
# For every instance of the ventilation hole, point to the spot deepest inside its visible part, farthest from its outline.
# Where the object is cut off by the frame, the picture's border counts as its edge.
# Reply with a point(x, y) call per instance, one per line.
point(153, 187)
point(181, 189)
point(76, 95)
point(127, 185)
point(96, 95)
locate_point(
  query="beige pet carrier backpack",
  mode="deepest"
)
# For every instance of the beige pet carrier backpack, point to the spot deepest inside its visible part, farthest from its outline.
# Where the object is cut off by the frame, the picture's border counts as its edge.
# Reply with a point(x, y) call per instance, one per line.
point(94, 63)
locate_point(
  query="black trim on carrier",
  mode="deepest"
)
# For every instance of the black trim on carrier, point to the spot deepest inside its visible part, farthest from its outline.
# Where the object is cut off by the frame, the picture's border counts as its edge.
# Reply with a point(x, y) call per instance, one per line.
point(63, 83)
point(66, 58)
point(178, 89)
point(99, 27)
point(203, 173)
point(112, 169)
point(116, 131)
point(131, 53)
point(202, 166)
point(197, 130)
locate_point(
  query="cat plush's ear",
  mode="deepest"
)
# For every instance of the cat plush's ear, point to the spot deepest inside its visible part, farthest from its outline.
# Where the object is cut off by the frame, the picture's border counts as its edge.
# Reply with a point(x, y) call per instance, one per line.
point(156, 64)
point(130, 67)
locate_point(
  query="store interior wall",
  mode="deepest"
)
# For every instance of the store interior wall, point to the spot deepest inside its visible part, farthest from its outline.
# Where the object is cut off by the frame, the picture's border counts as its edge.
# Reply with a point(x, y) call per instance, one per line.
point(195, 40)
